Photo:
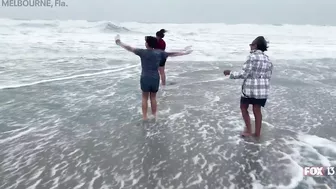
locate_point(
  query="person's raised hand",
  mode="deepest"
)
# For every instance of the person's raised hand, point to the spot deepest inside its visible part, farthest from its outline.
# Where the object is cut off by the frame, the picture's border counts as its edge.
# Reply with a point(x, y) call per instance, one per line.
point(187, 48)
point(117, 39)
point(189, 51)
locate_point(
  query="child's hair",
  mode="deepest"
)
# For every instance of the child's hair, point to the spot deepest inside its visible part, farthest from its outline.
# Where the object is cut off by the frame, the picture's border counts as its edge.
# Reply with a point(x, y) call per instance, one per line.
point(261, 43)
point(151, 41)
point(161, 33)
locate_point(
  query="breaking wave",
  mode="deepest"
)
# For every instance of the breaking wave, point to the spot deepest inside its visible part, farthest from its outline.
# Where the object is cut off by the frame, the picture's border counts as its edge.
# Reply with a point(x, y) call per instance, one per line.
point(115, 28)
point(104, 26)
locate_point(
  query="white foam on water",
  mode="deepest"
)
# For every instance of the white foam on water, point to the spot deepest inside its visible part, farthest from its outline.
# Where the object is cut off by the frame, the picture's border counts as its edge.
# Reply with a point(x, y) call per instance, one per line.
point(325, 149)
point(305, 149)
point(17, 135)
point(66, 78)
point(333, 93)
point(228, 42)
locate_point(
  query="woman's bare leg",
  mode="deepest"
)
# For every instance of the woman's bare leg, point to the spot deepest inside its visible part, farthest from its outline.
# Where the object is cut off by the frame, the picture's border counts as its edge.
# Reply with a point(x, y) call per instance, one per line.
point(258, 119)
point(247, 120)
point(162, 75)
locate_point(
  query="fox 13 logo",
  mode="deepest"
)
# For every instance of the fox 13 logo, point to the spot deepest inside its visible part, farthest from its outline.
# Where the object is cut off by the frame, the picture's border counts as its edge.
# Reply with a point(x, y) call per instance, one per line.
point(319, 171)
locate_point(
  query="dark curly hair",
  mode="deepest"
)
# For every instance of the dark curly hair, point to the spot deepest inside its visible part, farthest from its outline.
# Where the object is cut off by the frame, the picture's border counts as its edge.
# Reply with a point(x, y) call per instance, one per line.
point(151, 41)
point(161, 33)
point(261, 43)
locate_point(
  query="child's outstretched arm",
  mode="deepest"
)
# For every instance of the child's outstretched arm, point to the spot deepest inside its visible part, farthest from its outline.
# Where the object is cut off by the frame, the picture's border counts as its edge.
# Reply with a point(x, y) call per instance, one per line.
point(123, 45)
point(180, 53)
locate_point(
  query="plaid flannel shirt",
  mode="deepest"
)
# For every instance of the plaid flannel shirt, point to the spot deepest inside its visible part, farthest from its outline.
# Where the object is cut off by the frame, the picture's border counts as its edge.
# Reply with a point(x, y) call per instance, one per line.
point(256, 72)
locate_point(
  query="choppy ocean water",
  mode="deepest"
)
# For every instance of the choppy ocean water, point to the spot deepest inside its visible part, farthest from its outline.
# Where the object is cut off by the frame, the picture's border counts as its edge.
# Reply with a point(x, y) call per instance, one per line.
point(70, 112)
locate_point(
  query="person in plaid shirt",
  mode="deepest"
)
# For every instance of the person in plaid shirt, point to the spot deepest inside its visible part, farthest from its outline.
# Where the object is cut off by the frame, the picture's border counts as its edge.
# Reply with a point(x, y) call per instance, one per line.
point(256, 72)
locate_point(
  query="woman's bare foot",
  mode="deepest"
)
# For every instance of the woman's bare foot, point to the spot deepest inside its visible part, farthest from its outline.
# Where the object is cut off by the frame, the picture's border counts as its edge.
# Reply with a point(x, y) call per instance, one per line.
point(246, 133)
point(256, 135)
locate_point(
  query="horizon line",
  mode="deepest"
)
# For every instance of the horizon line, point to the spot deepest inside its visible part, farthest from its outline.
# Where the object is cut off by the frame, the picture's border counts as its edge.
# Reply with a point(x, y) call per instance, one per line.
point(143, 22)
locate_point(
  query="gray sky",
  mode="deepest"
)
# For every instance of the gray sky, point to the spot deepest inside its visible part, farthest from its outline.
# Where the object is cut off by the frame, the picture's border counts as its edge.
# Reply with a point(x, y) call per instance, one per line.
point(320, 12)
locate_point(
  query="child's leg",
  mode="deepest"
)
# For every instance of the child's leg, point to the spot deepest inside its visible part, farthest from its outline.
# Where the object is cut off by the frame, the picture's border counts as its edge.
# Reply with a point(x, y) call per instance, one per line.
point(155, 85)
point(153, 103)
point(162, 75)
point(144, 104)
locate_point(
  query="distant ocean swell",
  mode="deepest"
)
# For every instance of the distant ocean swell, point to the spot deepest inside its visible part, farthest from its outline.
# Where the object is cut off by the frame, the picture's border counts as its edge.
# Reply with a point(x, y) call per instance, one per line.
point(210, 41)
point(103, 26)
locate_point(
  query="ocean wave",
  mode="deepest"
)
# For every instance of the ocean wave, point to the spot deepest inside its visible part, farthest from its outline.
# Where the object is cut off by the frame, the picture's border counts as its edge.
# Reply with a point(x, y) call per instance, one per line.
point(114, 28)
point(38, 25)
point(13, 20)
point(210, 41)
point(105, 26)
point(4, 22)
point(100, 25)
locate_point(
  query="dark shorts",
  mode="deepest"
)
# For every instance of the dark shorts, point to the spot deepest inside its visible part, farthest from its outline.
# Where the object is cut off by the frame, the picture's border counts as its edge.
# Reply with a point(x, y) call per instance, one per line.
point(149, 84)
point(260, 102)
point(163, 62)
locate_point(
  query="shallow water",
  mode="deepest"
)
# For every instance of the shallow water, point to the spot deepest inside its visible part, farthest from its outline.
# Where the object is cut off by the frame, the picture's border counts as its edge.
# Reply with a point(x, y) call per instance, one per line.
point(87, 132)
point(72, 119)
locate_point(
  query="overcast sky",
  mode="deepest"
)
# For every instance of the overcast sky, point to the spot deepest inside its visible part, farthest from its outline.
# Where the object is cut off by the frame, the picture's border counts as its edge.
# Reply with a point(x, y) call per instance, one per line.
point(321, 12)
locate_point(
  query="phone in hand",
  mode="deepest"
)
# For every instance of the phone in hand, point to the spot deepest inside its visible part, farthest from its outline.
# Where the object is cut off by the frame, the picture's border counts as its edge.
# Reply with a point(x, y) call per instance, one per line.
point(117, 39)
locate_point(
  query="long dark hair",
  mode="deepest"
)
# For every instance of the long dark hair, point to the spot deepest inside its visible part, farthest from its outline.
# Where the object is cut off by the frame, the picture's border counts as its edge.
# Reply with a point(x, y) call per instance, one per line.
point(161, 33)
